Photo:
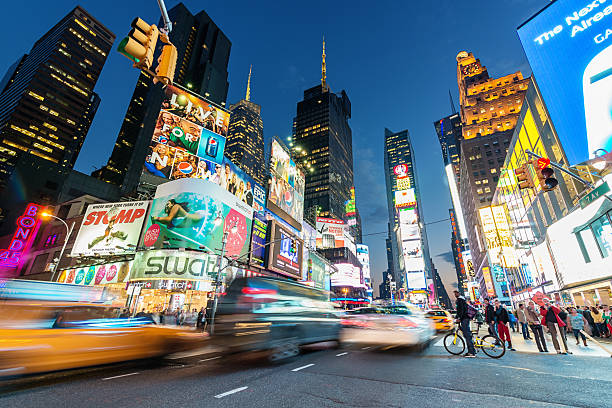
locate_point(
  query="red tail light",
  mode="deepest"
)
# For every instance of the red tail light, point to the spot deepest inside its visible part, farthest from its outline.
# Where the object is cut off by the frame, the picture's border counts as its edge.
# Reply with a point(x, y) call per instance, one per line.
point(354, 323)
point(258, 291)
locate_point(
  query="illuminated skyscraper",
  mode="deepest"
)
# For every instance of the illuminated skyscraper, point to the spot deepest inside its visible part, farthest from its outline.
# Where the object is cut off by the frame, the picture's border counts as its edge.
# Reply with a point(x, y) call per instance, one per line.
point(47, 100)
point(323, 143)
point(245, 141)
point(203, 55)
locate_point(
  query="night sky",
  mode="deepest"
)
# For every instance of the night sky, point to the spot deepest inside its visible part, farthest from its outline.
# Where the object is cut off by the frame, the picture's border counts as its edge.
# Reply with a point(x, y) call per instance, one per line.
point(395, 59)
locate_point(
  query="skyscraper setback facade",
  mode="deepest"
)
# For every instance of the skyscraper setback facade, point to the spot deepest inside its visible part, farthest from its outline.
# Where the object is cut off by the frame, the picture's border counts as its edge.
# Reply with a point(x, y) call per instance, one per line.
point(203, 56)
point(245, 140)
point(323, 142)
point(47, 101)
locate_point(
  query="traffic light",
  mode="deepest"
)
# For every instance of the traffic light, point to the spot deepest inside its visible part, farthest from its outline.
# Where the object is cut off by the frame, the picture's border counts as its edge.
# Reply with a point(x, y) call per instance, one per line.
point(166, 65)
point(546, 175)
point(293, 248)
point(523, 177)
point(139, 45)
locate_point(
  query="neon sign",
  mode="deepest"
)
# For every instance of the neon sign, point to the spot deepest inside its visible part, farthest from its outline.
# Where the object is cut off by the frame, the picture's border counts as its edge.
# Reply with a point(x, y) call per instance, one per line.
point(27, 227)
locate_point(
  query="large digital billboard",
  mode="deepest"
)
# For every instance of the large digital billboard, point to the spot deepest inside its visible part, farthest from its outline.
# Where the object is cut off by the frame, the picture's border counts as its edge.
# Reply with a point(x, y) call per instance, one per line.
point(331, 233)
point(285, 251)
point(195, 213)
point(346, 275)
point(569, 48)
point(286, 186)
point(405, 198)
point(110, 228)
point(174, 264)
point(363, 255)
point(498, 236)
point(416, 280)
point(258, 240)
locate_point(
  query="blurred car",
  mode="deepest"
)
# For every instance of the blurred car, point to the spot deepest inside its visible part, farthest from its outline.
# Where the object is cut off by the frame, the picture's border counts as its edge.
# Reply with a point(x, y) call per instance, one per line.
point(397, 325)
point(442, 319)
point(274, 316)
point(38, 337)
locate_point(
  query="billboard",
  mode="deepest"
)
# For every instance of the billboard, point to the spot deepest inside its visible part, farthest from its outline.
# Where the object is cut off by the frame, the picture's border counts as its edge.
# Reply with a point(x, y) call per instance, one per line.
point(195, 213)
point(468, 264)
point(173, 264)
point(330, 233)
point(115, 272)
point(287, 184)
point(578, 95)
point(110, 228)
point(416, 280)
point(349, 206)
point(346, 275)
point(498, 236)
point(27, 227)
point(258, 240)
point(405, 198)
point(363, 255)
point(317, 270)
point(285, 251)
point(408, 216)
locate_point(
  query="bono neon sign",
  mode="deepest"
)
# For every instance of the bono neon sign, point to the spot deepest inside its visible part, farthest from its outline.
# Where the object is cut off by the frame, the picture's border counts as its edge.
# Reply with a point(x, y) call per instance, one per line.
point(27, 227)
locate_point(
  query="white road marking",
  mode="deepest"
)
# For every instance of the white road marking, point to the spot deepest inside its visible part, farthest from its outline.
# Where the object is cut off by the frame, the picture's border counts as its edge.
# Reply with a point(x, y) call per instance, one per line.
point(302, 367)
point(212, 358)
point(365, 348)
point(119, 376)
point(342, 354)
point(235, 390)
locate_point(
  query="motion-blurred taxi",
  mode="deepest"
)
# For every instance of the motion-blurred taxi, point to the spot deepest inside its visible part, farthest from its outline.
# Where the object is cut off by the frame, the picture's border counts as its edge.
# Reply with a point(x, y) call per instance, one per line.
point(39, 336)
point(442, 319)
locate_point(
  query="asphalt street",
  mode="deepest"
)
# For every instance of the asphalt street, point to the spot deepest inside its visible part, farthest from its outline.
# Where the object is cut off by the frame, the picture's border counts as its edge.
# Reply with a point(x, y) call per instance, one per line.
point(348, 377)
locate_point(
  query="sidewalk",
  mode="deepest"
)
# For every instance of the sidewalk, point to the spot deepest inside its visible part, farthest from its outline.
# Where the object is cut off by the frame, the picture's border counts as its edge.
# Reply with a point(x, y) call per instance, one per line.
point(529, 346)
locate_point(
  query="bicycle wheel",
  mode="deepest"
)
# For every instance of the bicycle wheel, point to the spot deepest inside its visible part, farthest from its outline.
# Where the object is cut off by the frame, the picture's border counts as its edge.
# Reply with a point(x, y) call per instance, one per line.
point(454, 343)
point(492, 347)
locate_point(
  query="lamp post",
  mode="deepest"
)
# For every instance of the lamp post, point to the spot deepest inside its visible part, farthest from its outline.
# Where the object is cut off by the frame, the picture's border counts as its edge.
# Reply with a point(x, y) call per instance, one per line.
point(68, 233)
point(233, 229)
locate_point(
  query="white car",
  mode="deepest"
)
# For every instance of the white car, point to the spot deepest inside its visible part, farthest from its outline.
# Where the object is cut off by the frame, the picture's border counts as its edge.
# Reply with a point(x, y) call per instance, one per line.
point(397, 325)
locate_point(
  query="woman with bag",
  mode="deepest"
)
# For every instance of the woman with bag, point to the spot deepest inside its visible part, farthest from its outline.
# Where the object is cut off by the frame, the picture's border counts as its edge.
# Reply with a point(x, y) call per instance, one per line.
point(576, 323)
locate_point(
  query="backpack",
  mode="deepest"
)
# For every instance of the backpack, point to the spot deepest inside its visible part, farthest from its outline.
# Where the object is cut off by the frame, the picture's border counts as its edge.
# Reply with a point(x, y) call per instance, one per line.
point(471, 311)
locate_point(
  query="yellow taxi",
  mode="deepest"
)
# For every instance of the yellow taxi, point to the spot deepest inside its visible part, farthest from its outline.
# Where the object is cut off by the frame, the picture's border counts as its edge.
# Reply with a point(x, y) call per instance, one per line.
point(442, 319)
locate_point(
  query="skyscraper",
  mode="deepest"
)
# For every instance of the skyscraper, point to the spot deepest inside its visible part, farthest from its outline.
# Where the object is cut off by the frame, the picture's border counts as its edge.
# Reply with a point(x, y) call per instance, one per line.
point(323, 142)
point(449, 134)
point(407, 240)
point(203, 55)
point(490, 109)
point(47, 102)
point(245, 141)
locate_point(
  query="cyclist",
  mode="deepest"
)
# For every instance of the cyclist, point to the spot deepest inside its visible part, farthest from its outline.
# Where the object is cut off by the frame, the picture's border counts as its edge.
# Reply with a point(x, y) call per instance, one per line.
point(464, 323)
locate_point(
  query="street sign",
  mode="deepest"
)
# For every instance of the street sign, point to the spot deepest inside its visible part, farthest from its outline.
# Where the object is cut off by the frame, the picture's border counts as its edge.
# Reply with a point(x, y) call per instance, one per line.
point(594, 195)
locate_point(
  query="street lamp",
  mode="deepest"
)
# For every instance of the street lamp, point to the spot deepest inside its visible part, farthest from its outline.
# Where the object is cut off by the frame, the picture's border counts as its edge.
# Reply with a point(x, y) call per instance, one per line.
point(68, 233)
point(218, 221)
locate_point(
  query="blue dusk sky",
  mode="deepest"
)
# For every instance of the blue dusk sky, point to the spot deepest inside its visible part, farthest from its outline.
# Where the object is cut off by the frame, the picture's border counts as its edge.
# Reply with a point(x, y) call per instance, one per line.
point(395, 59)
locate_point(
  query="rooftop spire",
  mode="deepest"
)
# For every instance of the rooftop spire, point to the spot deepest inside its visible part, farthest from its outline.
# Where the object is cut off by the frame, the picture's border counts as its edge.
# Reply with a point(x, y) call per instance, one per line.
point(323, 70)
point(248, 91)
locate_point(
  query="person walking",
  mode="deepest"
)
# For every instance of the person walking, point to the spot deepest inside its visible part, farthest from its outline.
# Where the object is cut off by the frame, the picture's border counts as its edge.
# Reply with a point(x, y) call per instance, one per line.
point(533, 319)
point(521, 315)
point(513, 321)
point(586, 312)
point(503, 319)
point(607, 317)
point(464, 323)
point(597, 322)
point(490, 317)
point(577, 322)
point(199, 318)
point(550, 319)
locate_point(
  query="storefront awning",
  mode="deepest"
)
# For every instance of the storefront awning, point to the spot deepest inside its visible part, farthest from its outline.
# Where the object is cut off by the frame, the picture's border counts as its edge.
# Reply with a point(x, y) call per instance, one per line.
point(605, 206)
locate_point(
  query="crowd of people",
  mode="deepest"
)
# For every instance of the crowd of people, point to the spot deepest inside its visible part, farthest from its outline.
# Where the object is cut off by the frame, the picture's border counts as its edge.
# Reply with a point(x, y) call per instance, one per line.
point(534, 320)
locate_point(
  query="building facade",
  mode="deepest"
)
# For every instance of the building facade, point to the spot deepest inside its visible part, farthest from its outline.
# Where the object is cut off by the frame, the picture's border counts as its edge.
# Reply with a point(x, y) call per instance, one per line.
point(449, 133)
point(203, 56)
point(245, 140)
point(48, 101)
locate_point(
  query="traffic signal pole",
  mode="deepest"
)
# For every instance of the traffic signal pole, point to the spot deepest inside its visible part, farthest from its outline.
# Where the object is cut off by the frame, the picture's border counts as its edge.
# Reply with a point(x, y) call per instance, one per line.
point(164, 13)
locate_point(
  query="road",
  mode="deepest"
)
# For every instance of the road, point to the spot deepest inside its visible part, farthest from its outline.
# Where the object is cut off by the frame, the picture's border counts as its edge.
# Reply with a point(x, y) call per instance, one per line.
point(349, 377)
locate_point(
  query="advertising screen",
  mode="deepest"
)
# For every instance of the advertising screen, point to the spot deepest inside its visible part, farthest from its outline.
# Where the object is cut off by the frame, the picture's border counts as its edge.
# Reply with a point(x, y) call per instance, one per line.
point(468, 263)
point(174, 264)
point(316, 271)
point(410, 231)
point(486, 274)
point(346, 275)
point(498, 236)
point(578, 94)
point(363, 255)
point(408, 216)
point(405, 198)
point(416, 280)
point(285, 251)
point(287, 184)
point(258, 240)
point(97, 274)
point(195, 213)
point(330, 233)
point(110, 228)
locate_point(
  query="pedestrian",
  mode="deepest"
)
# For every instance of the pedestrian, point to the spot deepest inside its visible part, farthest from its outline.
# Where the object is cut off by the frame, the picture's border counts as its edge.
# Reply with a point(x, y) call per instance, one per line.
point(199, 318)
point(503, 320)
point(490, 317)
point(598, 322)
point(464, 323)
point(607, 317)
point(533, 319)
point(522, 318)
point(513, 321)
point(564, 316)
point(577, 322)
point(603, 327)
point(586, 312)
point(551, 320)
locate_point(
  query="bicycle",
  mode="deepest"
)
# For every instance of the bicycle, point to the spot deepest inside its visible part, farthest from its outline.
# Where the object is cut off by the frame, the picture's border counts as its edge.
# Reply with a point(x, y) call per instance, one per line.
point(454, 343)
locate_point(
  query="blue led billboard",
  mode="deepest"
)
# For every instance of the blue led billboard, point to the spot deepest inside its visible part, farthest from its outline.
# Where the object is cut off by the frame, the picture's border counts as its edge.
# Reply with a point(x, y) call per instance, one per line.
point(569, 47)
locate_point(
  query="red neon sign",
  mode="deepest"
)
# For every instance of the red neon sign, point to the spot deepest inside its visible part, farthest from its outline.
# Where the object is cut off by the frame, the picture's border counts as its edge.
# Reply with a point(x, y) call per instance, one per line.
point(27, 227)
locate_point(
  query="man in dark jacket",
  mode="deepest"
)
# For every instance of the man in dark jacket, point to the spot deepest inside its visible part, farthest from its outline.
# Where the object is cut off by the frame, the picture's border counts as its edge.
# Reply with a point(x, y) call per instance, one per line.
point(464, 323)
point(551, 320)
point(501, 315)
point(490, 317)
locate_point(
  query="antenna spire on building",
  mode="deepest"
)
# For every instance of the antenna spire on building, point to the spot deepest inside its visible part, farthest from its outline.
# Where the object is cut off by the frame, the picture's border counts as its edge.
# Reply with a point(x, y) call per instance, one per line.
point(248, 91)
point(323, 69)
point(452, 103)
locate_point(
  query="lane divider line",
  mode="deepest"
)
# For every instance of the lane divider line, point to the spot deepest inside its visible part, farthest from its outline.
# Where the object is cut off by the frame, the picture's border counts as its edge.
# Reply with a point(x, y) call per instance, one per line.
point(118, 376)
point(365, 348)
point(212, 358)
point(342, 354)
point(302, 367)
point(235, 390)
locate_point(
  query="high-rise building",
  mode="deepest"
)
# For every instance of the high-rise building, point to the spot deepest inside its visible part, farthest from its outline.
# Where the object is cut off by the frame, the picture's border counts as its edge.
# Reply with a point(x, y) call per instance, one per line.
point(245, 141)
point(203, 55)
point(441, 293)
point(323, 142)
point(490, 108)
point(458, 247)
point(48, 101)
point(449, 134)
point(407, 241)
